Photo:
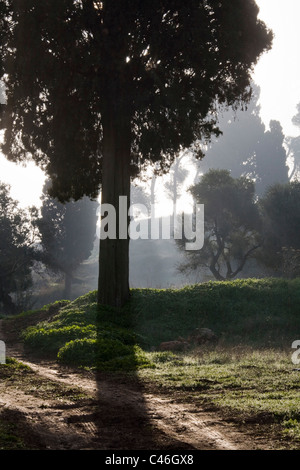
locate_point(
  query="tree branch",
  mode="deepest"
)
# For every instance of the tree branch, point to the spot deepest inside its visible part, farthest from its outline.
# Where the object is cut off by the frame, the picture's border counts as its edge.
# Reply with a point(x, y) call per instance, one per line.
point(244, 259)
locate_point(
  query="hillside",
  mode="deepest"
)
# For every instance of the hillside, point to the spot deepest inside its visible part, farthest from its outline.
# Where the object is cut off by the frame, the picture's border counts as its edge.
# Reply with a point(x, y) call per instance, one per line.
point(244, 380)
point(259, 313)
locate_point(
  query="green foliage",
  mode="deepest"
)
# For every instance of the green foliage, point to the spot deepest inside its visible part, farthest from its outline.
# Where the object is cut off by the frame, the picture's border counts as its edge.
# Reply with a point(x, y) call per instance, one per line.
point(81, 335)
point(280, 209)
point(81, 351)
point(232, 225)
point(103, 354)
point(243, 382)
point(163, 65)
point(260, 312)
point(254, 312)
point(136, 360)
point(52, 339)
point(17, 253)
point(13, 364)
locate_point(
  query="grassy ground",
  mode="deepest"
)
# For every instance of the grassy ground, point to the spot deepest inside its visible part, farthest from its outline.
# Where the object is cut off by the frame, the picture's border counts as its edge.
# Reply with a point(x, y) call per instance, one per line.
point(248, 373)
point(250, 385)
point(17, 375)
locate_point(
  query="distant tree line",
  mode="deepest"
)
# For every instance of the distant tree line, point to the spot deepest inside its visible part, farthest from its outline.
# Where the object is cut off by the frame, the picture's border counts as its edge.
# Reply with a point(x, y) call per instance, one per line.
point(248, 183)
point(58, 238)
point(247, 148)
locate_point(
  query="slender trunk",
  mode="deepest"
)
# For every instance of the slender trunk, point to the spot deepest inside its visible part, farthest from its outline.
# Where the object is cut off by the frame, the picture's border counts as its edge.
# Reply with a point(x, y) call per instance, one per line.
point(68, 286)
point(8, 305)
point(113, 285)
point(216, 273)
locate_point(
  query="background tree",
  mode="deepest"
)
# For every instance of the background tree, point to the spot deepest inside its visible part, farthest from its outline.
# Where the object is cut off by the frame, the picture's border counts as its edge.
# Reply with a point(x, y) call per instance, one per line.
point(293, 144)
point(280, 209)
point(232, 225)
point(173, 187)
point(246, 148)
point(17, 250)
point(97, 90)
point(67, 233)
point(235, 150)
point(271, 159)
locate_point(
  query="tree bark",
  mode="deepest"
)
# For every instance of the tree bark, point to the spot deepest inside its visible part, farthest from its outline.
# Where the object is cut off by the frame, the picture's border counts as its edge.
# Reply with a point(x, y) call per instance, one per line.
point(113, 285)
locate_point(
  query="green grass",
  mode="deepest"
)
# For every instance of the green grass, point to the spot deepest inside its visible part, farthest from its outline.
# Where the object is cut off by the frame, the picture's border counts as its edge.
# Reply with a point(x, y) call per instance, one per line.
point(257, 313)
point(249, 371)
point(263, 313)
point(249, 384)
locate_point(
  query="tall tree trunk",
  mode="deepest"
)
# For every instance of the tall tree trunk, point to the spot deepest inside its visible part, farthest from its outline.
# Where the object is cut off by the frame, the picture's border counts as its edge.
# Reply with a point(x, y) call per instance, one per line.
point(68, 285)
point(113, 285)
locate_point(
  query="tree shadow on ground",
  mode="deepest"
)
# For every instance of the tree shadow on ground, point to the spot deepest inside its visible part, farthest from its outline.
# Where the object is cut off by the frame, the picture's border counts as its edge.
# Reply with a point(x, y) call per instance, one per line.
point(123, 418)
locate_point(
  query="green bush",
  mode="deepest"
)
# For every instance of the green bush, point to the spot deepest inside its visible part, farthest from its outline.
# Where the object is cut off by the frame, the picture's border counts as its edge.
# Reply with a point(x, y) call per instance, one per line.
point(109, 331)
point(78, 352)
point(86, 352)
point(136, 360)
point(103, 354)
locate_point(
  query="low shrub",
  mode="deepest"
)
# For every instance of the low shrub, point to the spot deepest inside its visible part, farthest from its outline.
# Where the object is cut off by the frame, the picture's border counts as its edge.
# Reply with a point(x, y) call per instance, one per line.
point(78, 352)
point(102, 354)
point(109, 331)
point(50, 340)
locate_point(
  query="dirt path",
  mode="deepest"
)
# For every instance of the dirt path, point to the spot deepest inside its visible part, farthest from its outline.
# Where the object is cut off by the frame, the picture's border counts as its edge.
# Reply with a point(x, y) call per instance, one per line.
point(111, 414)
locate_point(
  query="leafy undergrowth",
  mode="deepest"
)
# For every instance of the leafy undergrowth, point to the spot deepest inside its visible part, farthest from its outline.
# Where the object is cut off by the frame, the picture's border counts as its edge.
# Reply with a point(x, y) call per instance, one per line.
point(79, 336)
point(263, 313)
point(249, 372)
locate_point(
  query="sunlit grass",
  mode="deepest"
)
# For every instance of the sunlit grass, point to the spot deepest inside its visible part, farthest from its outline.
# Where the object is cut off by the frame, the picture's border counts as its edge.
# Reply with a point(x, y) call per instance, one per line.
point(244, 383)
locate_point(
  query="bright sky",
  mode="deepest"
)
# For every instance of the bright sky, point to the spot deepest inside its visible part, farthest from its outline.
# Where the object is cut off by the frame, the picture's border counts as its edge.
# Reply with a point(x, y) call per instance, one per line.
point(277, 74)
point(278, 71)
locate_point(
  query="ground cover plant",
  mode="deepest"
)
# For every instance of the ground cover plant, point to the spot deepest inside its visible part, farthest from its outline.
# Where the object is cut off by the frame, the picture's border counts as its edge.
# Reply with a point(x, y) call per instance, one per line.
point(249, 370)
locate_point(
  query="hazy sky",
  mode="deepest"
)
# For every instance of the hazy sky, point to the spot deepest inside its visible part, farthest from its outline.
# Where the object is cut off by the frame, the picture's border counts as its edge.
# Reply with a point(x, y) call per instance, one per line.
point(278, 71)
point(277, 74)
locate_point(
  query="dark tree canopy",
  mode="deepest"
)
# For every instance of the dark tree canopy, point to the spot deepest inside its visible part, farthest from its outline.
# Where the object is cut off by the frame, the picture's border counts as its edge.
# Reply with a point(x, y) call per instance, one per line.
point(161, 63)
point(96, 90)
